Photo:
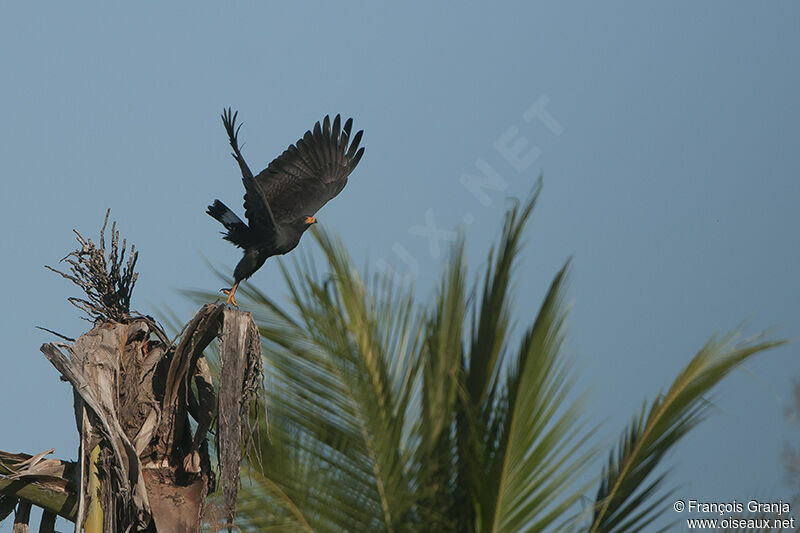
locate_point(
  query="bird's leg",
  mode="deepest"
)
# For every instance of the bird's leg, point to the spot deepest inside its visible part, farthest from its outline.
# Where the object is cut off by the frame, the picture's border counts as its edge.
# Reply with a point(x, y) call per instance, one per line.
point(231, 294)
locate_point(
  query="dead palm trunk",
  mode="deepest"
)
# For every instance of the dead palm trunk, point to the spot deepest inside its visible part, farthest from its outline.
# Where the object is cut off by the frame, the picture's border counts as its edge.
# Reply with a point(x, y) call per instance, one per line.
point(140, 467)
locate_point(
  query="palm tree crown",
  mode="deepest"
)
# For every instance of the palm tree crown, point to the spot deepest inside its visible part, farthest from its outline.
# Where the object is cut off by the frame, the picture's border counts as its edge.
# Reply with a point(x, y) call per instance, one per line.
point(387, 415)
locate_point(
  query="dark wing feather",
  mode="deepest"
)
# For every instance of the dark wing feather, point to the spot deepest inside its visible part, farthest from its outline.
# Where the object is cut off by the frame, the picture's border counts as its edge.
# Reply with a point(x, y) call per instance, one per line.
point(257, 209)
point(310, 172)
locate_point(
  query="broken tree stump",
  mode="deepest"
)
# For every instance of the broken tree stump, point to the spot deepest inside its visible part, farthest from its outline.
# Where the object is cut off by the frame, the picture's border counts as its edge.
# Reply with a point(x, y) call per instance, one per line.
point(239, 351)
point(134, 398)
point(141, 466)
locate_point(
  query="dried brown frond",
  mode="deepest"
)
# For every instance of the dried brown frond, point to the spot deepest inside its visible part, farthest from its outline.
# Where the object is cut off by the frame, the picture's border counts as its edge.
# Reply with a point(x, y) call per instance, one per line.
point(107, 280)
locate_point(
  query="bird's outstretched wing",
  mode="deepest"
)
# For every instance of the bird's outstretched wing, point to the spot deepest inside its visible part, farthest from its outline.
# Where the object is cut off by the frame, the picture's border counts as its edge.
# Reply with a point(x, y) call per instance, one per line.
point(312, 171)
point(256, 207)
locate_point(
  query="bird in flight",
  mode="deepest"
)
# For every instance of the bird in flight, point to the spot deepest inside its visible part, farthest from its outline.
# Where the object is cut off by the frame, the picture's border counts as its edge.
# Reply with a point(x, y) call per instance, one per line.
point(281, 201)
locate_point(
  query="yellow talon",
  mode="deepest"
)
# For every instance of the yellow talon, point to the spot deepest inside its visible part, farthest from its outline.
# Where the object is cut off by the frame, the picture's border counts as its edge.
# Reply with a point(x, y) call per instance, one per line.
point(231, 295)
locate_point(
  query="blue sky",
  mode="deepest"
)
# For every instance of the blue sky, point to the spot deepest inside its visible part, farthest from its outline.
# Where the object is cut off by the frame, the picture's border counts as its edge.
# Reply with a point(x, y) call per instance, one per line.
point(666, 134)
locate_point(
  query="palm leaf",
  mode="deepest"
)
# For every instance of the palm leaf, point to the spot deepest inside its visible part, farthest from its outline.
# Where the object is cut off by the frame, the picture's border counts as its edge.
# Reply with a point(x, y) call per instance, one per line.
point(625, 500)
point(537, 449)
point(441, 375)
point(388, 416)
point(491, 328)
point(341, 366)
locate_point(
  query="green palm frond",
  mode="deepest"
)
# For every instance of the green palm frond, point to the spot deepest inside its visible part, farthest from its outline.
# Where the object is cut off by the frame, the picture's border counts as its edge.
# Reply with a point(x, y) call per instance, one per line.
point(630, 497)
point(540, 450)
point(342, 364)
point(492, 320)
point(388, 415)
point(529, 444)
point(441, 371)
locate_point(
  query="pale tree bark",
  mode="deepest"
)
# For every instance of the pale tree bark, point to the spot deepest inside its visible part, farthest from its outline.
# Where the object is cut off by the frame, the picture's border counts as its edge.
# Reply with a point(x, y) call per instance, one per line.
point(141, 467)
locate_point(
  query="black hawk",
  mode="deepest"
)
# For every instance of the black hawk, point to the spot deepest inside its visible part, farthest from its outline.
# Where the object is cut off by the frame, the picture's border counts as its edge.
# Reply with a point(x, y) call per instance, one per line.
point(281, 201)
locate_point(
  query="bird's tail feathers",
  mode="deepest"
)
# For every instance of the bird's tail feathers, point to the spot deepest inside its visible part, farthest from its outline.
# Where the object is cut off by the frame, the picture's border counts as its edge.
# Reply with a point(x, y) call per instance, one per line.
point(238, 232)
